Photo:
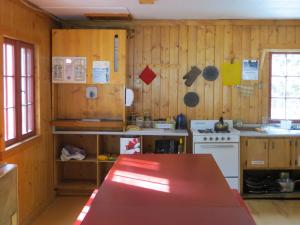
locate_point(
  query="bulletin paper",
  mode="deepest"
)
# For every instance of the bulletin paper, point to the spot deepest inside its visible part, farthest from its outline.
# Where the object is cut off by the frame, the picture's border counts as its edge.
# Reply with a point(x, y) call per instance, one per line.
point(101, 72)
point(69, 69)
point(231, 73)
point(250, 69)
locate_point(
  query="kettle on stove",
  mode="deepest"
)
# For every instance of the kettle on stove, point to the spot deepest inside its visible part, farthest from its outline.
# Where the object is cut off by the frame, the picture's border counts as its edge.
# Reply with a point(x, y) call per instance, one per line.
point(181, 121)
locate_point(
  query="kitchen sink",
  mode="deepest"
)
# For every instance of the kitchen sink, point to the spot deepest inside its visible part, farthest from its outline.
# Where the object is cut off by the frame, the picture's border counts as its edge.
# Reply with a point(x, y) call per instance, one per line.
point(246, 128)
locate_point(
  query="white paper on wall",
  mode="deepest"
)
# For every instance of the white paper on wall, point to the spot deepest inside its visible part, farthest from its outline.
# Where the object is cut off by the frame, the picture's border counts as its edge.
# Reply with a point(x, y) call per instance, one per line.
point(69, 69)
point(58, 69)
point(250, 69)
point(101, 72)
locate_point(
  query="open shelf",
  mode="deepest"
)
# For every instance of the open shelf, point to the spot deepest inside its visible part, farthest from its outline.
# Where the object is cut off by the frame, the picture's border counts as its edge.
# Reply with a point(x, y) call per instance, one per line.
point(105, 124)
point(292, 195)
point(88, 159)
point(107, 161)
point(71, 187)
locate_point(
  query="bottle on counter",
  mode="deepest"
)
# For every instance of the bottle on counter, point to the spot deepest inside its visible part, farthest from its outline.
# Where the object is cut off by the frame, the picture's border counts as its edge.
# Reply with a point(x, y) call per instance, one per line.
point(180, 146)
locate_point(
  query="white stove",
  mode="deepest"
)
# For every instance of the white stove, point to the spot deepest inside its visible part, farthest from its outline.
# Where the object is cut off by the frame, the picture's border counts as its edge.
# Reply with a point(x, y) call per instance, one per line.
point(224, 147)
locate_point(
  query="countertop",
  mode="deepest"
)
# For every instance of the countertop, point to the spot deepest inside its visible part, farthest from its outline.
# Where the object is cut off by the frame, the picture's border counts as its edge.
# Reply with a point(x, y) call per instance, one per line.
point(155, 189)
point(142, 132)
point(272, 132)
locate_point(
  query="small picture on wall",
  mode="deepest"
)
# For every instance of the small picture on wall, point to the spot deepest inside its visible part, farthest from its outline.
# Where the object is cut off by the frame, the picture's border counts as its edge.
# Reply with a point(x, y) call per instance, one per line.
point(250, 69)
point(130, 146)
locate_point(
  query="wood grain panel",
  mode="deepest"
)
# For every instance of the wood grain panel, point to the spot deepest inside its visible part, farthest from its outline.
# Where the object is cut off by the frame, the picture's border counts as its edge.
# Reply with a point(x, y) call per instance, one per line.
point(165, 71)
point(192, 60)
point(187, 43)
point(155, 55)
point(34, 158)
point(173, 83)
point(95, 44)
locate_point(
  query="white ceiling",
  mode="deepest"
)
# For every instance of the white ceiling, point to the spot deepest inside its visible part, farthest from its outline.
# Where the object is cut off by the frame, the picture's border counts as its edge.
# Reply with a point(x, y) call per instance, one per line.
point(177, 9)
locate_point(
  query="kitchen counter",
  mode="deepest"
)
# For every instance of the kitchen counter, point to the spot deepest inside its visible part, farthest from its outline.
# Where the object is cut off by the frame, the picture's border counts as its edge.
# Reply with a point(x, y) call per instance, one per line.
point(273, 132)
point(142, 132)
point(154, 189)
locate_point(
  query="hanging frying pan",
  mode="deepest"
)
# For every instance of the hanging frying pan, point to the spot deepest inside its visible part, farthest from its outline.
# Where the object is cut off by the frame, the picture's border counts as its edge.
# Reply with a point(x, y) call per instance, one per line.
point(210, 73)
point(191, 99)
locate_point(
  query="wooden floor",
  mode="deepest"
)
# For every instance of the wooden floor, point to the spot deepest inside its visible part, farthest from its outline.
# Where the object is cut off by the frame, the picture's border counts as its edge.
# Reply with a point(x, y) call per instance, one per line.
point(275, 212)
point(64, 211)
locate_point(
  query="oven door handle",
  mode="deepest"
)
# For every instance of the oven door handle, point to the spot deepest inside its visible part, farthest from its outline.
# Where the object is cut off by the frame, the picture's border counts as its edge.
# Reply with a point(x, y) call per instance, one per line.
point(217, 146)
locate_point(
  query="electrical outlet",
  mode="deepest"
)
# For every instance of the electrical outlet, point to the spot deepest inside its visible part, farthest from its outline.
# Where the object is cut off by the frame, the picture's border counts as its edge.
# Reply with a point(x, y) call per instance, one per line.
point(91, 92)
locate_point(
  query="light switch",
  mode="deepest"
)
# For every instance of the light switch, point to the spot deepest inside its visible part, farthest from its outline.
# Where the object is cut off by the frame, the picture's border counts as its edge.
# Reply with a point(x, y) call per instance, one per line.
point(91, 92)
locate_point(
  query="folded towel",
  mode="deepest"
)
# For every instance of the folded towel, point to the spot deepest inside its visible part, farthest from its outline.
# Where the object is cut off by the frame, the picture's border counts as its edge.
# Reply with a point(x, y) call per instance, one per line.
point(69, 152)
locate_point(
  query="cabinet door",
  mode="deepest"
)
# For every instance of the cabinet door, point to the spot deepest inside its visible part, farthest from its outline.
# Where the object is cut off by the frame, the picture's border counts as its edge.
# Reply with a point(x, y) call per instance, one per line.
point(279, 153)
point(95, 45)
point(296, 155)
point(257, 153)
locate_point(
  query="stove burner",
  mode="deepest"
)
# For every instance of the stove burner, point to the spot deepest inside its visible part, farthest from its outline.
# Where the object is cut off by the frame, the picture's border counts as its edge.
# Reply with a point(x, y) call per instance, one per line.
point(206, 131)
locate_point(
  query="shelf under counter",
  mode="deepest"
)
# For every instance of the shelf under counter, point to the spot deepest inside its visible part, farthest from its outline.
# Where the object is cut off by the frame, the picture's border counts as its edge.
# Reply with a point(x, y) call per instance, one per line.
point(89, 159)
point(292, 195)
point(70, 124)
point(142, 132)
point(76, 187)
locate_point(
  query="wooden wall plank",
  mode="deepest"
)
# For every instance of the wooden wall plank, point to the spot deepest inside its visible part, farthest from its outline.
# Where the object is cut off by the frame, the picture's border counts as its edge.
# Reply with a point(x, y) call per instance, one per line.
point(264, 78)
point(219, 59)
point(165, 71)
point(228, 55)
point(254, 54)
point(183, 45)
point(200, 83)
point(209, 60)
point(147, 91)
point(155, 53)
point(138, 68)
point(245, 100)
point(173, 81)
point(237, 55)
point(202, 44)
point(192, 60)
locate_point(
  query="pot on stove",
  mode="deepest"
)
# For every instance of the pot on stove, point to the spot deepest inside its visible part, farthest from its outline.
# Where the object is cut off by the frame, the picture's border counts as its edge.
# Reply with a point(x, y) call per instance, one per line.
point(221, 125)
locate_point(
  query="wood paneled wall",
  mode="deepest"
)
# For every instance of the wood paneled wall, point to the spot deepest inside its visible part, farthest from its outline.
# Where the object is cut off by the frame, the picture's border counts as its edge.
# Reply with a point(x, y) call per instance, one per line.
point(171, 48)
point(34, 158)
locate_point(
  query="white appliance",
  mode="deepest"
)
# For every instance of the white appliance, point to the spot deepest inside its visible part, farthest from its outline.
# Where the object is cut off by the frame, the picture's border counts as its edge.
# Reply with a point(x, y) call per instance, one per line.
point(223, 146)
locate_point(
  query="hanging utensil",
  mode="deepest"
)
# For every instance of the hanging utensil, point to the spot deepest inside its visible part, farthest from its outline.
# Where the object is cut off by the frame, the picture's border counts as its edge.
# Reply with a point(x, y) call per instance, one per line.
point(210, 73)
point(191, 99)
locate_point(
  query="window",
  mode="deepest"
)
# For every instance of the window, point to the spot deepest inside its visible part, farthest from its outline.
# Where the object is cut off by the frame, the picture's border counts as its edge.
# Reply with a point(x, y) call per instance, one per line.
point(18, 88)
point(285, 86)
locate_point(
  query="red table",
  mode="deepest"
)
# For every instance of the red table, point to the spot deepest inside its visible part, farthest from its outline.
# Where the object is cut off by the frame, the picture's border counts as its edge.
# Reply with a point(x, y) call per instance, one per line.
point(165, 190)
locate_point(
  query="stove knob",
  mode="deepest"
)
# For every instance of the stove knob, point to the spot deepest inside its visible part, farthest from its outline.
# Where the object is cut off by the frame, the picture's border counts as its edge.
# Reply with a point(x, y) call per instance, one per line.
point(222, 138)
point(210, 138)
point(228, 138)
point(204, 138)
point(217, 138)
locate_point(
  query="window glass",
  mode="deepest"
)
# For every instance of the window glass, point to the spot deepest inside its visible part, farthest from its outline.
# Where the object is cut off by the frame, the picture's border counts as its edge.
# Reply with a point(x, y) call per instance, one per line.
point(285, 86)
point(18, 91)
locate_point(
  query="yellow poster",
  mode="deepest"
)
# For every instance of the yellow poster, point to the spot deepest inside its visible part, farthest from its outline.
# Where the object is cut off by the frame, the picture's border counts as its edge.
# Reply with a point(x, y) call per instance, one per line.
point(231, 73)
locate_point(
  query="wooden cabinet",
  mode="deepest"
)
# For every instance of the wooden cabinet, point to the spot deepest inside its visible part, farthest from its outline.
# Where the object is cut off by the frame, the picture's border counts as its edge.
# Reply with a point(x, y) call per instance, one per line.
point(81, 177)
point(256, 153)
point(296, 153)
point(70, 101)
point(95, 45)
point(279, 153)
point(266, 153)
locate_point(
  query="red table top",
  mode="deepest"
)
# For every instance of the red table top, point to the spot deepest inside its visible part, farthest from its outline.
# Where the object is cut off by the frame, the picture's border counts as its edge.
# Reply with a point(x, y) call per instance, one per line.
point(166, 190)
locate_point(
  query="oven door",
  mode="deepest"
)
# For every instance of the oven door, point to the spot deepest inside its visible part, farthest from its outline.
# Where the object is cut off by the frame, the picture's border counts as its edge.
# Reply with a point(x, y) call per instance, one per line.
point(225, 154)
